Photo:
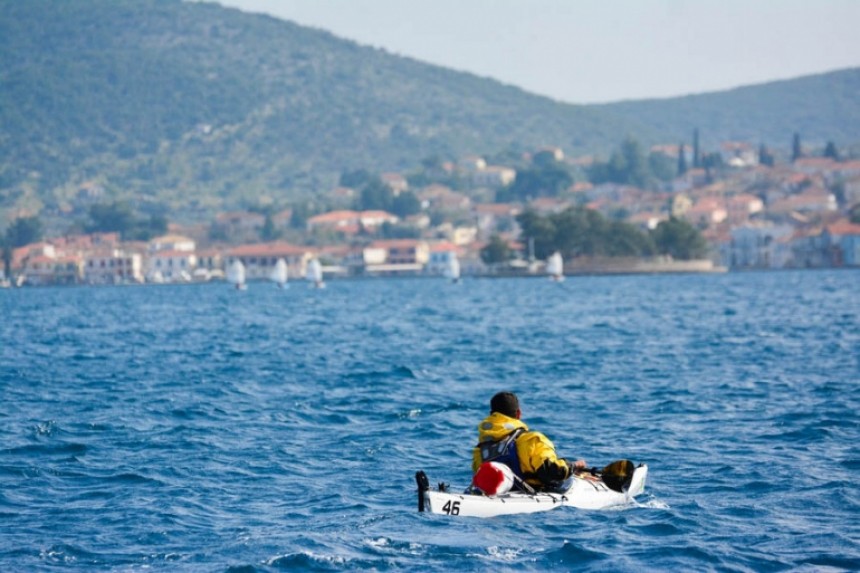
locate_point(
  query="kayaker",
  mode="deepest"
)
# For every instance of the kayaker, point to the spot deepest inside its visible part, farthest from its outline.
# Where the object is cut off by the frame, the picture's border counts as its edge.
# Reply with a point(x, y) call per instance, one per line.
point(503, 437)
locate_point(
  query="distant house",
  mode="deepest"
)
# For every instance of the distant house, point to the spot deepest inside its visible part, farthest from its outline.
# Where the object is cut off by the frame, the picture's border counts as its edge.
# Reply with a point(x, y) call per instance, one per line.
point(738, 154)
point(556, 153)
point(443, 198)
point(260, 259)
point(372, 220)
point(494, 176)
point(43, 270)
point(472, 163)
point(402, 256)
point(679, 205)
point(441, 255)
point(852, 190)
point(812, 200)
point(706, 211)
point(741, 207)
point(457, 234)
point(495, 217)
point(112, 266)
point(646, 220)
point(396, 182)
point(350, 222)
point(170, 266)
point(283, 219)
point(80, 243)
point(209, 264)
point(549, 205)
point(760, 246)
point(171, 243)
point(814, 165)
point(342, 221)
point(240, 223)
point(843, 238)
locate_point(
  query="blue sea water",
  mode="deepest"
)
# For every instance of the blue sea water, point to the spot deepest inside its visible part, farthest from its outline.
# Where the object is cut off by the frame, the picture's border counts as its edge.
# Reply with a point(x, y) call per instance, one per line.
point(199, 428)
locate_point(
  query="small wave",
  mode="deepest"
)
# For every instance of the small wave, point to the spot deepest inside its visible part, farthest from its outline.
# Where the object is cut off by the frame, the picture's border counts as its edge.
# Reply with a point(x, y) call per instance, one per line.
point(66, 554)
point(574, 555)
point(311, 561)
point(48, 449)
point(652, 503)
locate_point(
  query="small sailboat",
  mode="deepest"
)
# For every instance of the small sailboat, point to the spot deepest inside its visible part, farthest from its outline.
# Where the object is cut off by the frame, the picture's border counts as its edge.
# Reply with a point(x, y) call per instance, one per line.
point(236, 275)
point(314, 274)
point(452, 269)
point(555, 267)
point(280, 273)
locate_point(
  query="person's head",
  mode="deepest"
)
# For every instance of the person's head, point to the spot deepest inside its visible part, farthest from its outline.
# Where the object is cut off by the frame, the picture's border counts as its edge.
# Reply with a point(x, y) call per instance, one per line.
point(506, 403)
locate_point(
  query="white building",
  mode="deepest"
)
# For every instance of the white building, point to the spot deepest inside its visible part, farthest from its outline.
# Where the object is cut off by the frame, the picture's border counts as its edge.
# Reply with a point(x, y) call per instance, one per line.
point(759, 247)
point(171, 266)
point(494, 176)
point(171, 243)
point(112, 266)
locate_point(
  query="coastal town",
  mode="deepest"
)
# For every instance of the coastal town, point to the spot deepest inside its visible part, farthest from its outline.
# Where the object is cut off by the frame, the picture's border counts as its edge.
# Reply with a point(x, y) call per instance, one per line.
point(753, 212)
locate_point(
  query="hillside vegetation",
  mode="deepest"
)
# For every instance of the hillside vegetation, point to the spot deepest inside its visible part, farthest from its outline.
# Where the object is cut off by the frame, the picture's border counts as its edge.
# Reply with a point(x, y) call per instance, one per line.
point(823, 107)
point(193, 107)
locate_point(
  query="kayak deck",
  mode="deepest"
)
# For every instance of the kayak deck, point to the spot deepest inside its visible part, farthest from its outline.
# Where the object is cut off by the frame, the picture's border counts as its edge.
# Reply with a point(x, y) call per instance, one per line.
point(586, 492)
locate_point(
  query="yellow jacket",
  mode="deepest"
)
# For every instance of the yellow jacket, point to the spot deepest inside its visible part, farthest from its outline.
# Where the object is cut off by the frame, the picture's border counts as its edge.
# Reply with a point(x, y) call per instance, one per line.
point(539, 464)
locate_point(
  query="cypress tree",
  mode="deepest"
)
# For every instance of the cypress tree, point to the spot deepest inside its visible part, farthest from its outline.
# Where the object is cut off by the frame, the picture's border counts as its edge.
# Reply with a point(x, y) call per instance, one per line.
point(831, 151)
point(765, 157)
point(796, 151)
point(697, 154)
point(682, 160)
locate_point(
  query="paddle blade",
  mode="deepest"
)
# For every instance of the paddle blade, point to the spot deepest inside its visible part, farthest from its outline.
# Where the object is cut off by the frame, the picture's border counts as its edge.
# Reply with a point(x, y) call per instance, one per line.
point(618, 475)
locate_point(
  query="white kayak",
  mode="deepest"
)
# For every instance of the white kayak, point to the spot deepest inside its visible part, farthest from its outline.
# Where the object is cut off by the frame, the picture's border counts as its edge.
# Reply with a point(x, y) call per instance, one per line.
point(586, 492)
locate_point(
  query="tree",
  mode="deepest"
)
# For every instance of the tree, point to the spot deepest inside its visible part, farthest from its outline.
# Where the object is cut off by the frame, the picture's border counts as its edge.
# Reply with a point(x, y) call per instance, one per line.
point(662, 167)
point(7, 259)
point(268, 232)
point(679, 239)
point(765, 157)
point(540, 230)
point(796, 149)
point(302, 211)
point(391, 231)
point(831, 151)
point(540, 181)
point(376, 195)
point(355, 179)
point(638, 168)
point(697, 153)
point(682, 160)
point(115, 217)
point(23, 231)
point(854, 214)
point(626, 166)
point(496, 251)
point(405, 204)
point(579, 231)
point(712, 160)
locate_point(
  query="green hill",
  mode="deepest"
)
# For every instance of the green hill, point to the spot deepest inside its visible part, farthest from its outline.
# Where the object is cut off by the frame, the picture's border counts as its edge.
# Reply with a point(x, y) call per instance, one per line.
point(823, 107)
point(198, 107)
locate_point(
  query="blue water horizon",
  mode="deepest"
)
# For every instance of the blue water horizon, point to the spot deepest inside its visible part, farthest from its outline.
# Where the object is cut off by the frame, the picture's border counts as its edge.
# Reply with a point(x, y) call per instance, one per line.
point(200, 428)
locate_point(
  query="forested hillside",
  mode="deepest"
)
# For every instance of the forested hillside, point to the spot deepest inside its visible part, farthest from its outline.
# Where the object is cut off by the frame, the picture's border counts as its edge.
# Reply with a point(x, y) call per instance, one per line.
point(824, 107)
point(193, 107)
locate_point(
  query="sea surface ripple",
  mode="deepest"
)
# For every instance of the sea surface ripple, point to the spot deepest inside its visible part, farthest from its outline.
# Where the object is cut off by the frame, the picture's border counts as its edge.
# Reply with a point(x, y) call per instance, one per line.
point(198, 428)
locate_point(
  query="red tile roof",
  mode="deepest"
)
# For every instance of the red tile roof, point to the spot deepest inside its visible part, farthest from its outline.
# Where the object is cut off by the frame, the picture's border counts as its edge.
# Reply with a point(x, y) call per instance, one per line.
point(275, 249)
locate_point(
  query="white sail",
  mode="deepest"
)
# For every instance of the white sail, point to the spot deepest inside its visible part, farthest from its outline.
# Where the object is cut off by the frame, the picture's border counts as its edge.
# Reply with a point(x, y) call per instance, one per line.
point(280, 273)
point(236, 273)
point(555, 266)
point(452, 269)
point(314, 273)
